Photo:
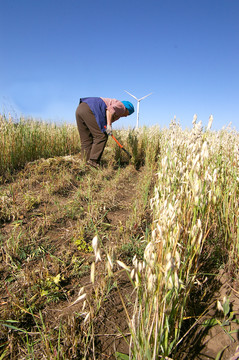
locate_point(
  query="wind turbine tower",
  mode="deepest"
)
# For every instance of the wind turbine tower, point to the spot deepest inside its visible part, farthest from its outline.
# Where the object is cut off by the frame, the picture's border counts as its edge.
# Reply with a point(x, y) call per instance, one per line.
point(138, 101)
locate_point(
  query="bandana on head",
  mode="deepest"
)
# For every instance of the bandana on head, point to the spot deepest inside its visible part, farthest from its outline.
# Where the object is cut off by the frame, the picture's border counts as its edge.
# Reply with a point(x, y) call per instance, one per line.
point(129, 106)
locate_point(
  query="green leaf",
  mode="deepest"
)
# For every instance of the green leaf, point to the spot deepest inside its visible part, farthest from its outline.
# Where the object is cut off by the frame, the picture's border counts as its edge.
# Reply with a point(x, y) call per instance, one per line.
point(15, 328)
point(226, 307)
point(44, 292)
point(57, 279)
point(225, 323)
point(218, 357)
point(3, 354)
point(120, 356)
point(210, 322)
point(12, 321)
point(231, 316)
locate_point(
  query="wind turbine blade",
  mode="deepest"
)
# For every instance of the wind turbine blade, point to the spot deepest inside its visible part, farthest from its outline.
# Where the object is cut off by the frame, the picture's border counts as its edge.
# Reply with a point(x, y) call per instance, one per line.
point(131, 95)
point(145, 96)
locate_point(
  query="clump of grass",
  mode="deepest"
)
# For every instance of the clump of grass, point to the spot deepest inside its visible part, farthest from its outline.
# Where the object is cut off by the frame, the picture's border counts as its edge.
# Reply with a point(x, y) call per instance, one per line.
point(189, 201)
point(29, 140)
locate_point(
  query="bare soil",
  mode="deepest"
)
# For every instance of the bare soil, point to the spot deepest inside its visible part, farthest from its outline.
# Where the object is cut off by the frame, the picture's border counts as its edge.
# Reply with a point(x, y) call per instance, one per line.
point(45, 209)
point(221, 339)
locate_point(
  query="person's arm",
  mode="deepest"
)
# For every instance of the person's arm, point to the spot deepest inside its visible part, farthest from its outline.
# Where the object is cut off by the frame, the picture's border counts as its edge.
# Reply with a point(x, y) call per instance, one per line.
point(110, 119)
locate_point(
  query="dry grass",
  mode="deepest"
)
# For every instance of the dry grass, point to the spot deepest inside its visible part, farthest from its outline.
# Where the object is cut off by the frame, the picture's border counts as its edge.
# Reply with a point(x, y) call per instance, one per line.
point(158, 219)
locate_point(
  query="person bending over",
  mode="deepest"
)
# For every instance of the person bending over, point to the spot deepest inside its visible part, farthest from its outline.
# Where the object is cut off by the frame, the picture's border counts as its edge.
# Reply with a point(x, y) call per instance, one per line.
point(94, 117)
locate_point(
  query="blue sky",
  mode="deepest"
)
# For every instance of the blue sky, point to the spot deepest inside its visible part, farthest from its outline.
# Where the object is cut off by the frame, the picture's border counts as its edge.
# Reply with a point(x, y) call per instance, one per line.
point(184, 51)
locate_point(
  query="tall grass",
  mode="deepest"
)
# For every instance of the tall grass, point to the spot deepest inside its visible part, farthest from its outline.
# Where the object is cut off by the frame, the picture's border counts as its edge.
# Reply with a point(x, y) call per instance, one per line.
point(29, 140)
point(194, 208)
point(195, 205)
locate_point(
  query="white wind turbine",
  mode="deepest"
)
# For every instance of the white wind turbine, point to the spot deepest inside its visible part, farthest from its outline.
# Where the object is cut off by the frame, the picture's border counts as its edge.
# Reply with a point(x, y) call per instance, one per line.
point(138, 101)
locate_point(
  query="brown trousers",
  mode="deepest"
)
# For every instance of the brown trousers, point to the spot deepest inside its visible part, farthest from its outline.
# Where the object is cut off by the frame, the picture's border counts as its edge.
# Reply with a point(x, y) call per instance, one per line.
point(93, 141)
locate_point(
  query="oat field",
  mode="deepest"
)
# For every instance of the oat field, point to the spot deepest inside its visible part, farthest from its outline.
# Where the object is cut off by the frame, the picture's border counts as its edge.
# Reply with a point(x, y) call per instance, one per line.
point(137, 260)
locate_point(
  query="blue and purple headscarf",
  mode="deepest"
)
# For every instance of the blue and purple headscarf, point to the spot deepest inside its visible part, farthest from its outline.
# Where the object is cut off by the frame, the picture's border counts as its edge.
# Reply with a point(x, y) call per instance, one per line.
point(129, 106)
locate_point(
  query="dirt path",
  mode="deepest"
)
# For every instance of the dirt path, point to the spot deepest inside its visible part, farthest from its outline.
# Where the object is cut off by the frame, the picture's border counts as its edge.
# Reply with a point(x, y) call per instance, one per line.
point(110, 325)
point(49, 216)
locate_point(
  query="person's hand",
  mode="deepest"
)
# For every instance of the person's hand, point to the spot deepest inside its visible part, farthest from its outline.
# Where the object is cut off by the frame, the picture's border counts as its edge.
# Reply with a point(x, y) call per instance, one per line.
point(109, 130)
